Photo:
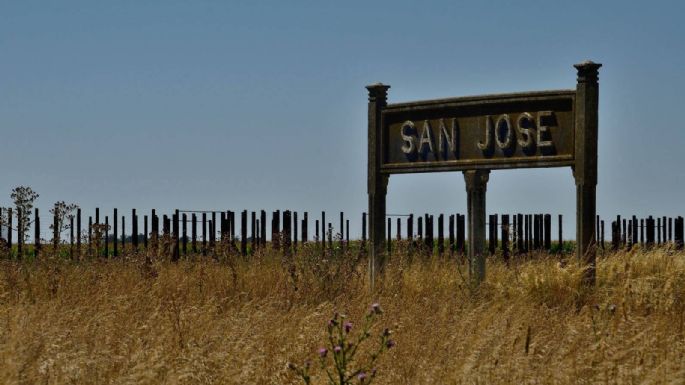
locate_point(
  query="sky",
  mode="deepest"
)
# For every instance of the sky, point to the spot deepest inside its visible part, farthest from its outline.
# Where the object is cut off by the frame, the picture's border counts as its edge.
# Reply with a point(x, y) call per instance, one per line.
point(232, 105)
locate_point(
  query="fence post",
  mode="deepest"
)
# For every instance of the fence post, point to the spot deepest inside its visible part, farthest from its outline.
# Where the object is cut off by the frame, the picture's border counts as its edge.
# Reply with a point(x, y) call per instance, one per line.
point(253, 241)
point(441, 234)
point(548, 232)
point(505, 237)
point(106, 237)
point(420, 225)
point(389, 237)
point(305, 227)
point(323, 230)
point(347, 233)
point(145, 233)
point(650, 231)
point(363, 246)
point(679, 232)
point(134, 230)
point(204, 234)
point(519, 234)
point(36, 234)
point(184, 240)
point(9, 229)
point(342, 227)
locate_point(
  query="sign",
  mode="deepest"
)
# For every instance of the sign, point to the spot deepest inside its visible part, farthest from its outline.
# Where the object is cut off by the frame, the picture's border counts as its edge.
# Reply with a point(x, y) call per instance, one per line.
point(489, 132)
point(477, 134)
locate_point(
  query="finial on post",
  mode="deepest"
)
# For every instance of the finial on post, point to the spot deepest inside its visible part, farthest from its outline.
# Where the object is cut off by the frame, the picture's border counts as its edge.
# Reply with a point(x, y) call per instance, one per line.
point(378, 92)
point(587, 71)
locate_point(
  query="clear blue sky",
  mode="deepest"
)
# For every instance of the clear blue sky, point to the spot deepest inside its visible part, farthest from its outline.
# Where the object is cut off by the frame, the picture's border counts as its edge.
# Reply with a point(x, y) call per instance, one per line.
point(261, 105)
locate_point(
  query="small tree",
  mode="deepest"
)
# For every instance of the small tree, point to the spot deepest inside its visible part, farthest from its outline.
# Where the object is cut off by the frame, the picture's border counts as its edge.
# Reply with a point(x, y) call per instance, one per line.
point(23, 198)
point(64, 213)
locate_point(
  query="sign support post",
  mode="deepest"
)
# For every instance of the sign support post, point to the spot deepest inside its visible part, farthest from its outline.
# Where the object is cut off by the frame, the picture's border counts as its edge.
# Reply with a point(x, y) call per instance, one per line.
point(377, 182)
point(585, 169)
point(476, 185)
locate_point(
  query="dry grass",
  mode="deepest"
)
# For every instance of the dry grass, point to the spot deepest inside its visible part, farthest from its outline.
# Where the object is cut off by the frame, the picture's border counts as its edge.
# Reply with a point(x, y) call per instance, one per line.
point(239, 323)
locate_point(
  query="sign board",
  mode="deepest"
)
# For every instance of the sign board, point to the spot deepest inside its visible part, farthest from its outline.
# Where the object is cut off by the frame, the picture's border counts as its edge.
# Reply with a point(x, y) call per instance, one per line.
point(485, 132)
point(477, 134)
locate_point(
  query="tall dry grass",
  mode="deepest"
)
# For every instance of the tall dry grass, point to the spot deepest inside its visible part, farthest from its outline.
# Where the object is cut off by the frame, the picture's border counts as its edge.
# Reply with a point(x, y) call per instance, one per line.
point(237, 322)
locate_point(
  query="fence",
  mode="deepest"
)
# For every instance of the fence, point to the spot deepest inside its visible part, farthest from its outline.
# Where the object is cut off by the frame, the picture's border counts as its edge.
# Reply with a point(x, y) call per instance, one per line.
point(507, 234)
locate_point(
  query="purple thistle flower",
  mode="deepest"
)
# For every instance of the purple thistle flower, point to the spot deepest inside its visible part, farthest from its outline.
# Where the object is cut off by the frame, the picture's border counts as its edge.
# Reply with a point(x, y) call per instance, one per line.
point(361, 376)
point(337, 349)
point(347, 327)
point(390, 344)
point(323, 352)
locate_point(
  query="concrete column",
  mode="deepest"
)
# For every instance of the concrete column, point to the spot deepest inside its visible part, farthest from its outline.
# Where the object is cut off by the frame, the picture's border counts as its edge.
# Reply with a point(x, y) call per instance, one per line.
point(377, 182)
point(476, 185)
point(585, 170)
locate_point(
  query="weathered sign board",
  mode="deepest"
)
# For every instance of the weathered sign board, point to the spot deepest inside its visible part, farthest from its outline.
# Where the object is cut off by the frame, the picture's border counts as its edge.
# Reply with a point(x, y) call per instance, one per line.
point(477, 134)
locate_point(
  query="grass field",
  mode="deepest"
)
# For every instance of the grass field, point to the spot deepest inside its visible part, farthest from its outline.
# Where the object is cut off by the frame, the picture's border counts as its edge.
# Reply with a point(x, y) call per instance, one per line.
point(236, 322)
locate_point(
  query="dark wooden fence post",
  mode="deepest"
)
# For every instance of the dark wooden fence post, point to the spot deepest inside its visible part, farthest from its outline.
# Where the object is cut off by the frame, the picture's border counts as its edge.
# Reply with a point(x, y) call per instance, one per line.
point(185, 233)
point(317, 236)
point(90, 237)
point(177, 234)
point(330, 236)
point(305, 228)
point(670, 229)
point(243, 233)
point(9, 229)
point(342, 226)
point(363, 246)
point(36, 234)
point(145, 233)
point(420, 228)
point(650, 231)
point(253, 240)
point(323, 229)
point(536, 231)
point(441, 234)
point(505, 237)
point(106, 236)
point(389, 235)
point(461, 234)
point(520, 247)
point(489, 222)
point(451, 233)
point(347, 233)
point(134, 230)
point(20, 234)
point(548, 232)
point(602, 235)
point(262, 228)
point(399, 229)
point(679, 232)
point(71, 236)
point(204, 234)
point(193, 233)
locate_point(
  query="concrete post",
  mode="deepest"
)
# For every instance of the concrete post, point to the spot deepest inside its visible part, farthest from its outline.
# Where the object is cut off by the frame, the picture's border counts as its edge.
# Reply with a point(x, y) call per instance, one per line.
point(585, 170)
point(377, 182)
point(476, 185)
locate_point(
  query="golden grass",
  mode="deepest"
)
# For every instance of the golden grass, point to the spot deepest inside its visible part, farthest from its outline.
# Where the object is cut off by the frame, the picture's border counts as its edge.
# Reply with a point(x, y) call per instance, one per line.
point(202, 321)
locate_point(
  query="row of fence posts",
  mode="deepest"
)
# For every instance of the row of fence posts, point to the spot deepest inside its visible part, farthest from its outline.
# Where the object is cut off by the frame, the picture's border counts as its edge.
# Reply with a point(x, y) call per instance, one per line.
point(519, 233)
point(627, 232)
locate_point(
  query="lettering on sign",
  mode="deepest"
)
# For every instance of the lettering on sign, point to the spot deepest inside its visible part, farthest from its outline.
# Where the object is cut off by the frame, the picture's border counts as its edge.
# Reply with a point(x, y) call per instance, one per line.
point(505, 132)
